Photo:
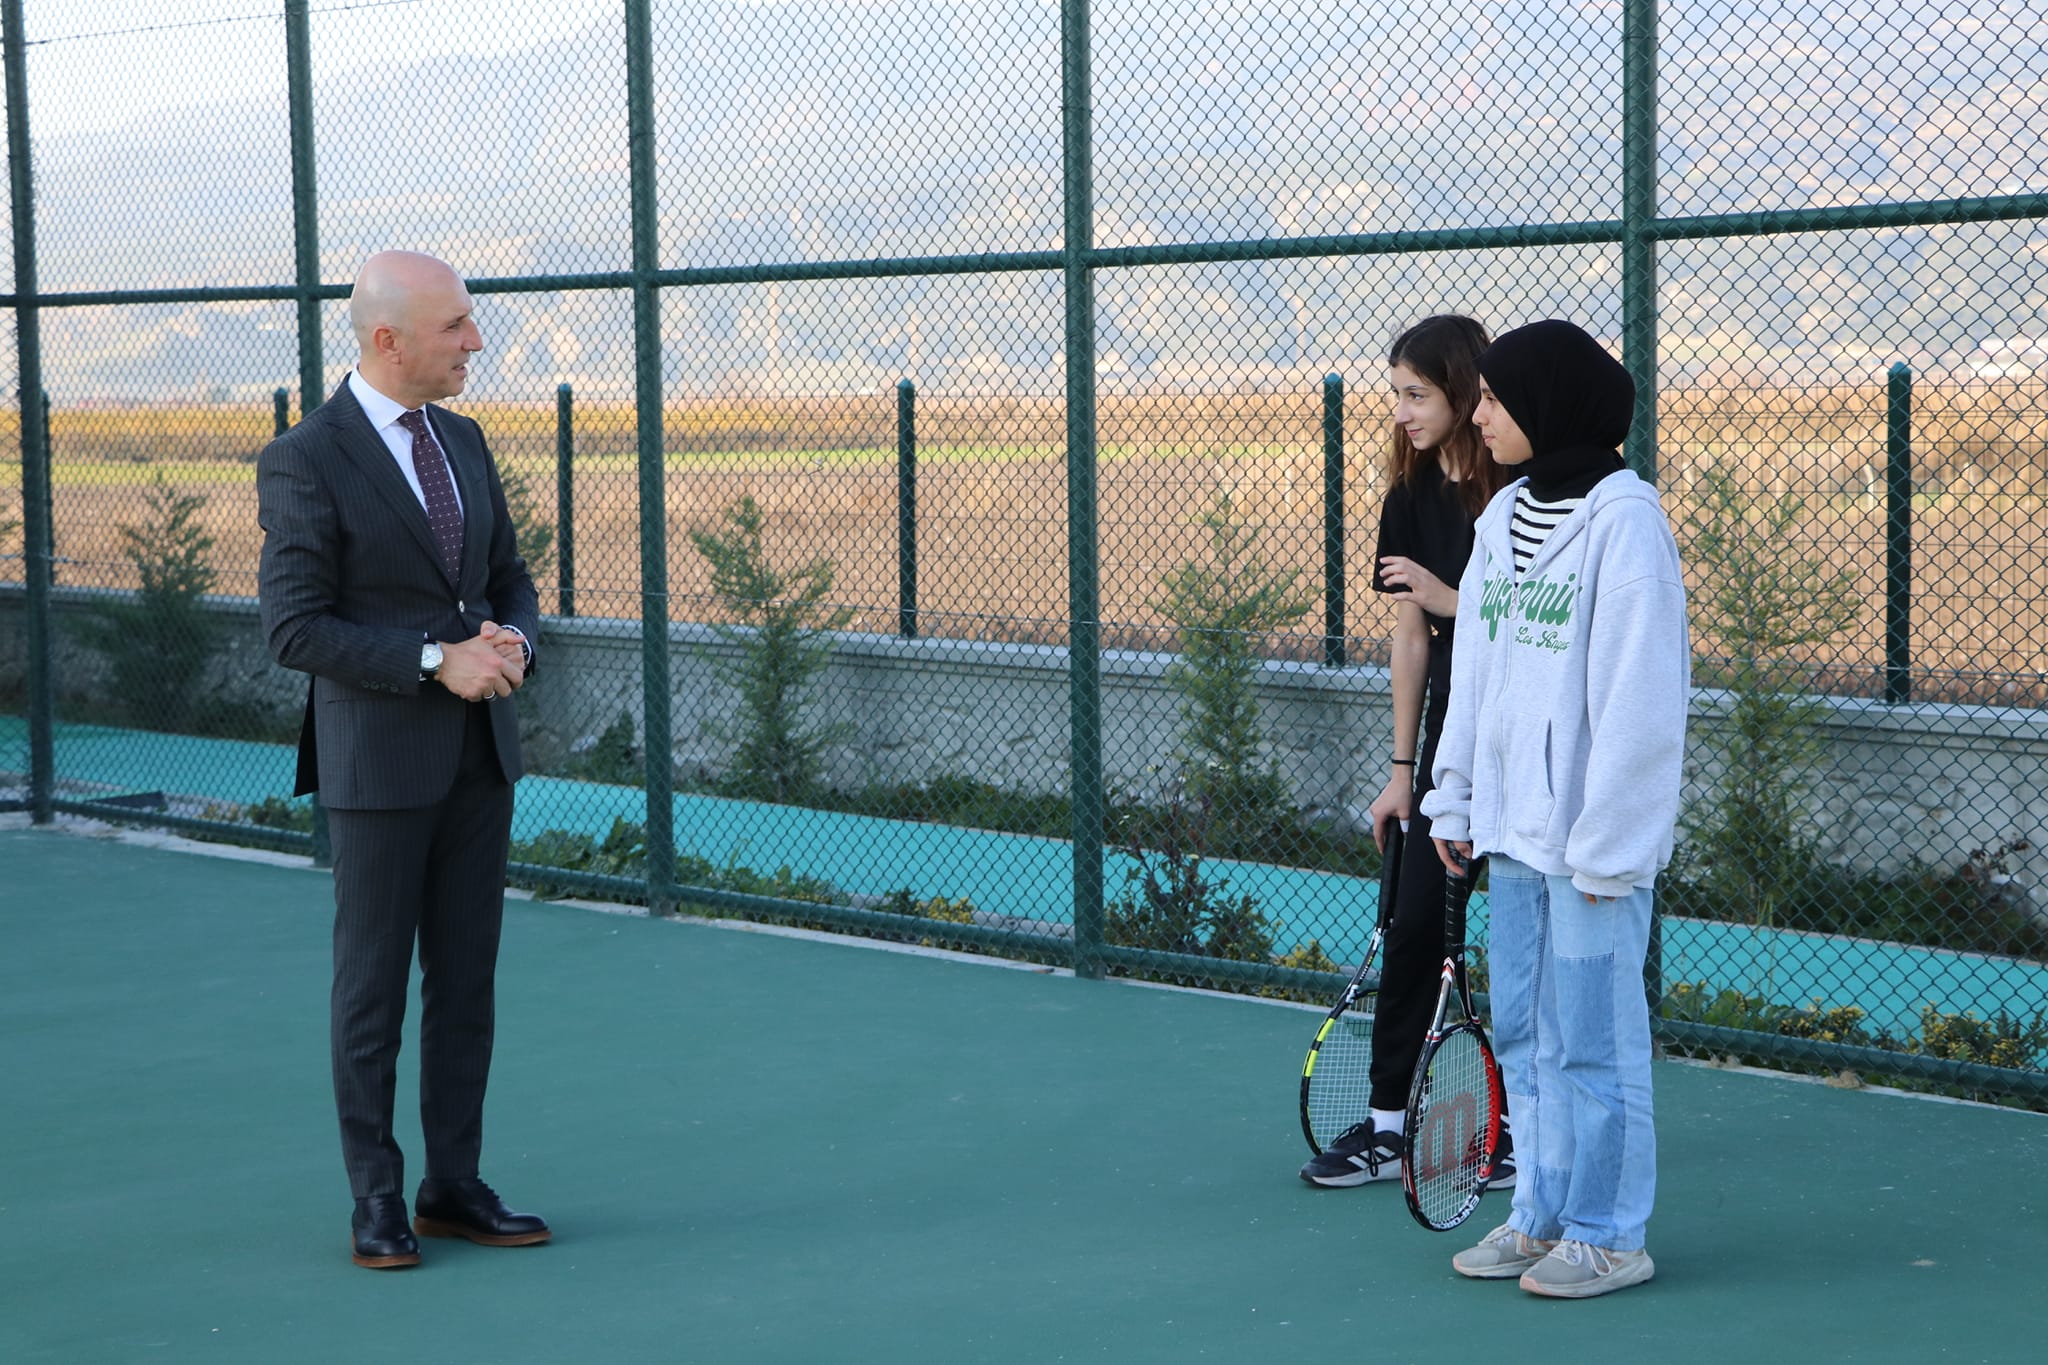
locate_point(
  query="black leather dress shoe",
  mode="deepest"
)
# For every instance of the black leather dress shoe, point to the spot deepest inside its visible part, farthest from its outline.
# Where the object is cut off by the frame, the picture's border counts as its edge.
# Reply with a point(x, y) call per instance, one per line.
point(383, 1241)
point(472, 1209)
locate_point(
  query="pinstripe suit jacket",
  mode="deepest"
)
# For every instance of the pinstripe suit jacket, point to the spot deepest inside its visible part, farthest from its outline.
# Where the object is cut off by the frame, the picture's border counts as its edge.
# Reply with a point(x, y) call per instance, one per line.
point(351, 586)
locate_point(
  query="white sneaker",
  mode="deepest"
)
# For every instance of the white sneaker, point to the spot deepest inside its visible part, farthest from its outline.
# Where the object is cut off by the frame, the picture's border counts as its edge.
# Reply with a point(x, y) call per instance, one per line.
point(1579, 1270)
point(1501, 1255)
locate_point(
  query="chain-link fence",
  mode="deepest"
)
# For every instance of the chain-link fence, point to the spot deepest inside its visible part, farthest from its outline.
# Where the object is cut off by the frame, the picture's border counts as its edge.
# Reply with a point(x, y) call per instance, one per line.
point(949, 442)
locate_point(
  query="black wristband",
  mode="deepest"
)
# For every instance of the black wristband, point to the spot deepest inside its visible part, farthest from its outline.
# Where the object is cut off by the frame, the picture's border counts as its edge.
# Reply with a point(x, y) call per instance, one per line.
point(1405, 762)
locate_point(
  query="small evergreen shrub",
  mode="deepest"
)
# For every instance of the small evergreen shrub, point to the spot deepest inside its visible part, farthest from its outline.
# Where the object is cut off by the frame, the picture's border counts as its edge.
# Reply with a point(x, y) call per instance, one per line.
point(1222, 606)
point(157, 642)
point(782, 617)
point(1172, 903)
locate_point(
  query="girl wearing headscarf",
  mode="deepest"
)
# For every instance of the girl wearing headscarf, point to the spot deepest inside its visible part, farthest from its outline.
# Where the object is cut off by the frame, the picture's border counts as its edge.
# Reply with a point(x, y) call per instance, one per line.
point(1560, 763)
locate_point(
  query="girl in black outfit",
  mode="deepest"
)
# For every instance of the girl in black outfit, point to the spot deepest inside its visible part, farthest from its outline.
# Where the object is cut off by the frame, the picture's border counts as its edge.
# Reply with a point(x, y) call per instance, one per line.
point(1440, 479)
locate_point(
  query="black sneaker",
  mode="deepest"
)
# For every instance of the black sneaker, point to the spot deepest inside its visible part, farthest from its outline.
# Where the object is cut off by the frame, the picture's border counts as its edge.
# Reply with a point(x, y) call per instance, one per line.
point(1360, 1155)
point(1503, 1175)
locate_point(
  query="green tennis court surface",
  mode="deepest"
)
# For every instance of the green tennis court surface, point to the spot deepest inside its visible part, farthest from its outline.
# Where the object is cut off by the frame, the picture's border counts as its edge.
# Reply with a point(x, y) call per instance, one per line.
point(764, 1149)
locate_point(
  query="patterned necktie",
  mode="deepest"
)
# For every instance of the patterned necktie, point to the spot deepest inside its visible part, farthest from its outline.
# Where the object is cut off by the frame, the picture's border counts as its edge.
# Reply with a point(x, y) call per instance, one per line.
point(444, 514)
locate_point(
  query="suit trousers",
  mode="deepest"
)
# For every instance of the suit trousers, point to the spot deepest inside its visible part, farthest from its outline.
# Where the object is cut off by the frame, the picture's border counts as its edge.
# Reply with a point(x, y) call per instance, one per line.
point(435, 874)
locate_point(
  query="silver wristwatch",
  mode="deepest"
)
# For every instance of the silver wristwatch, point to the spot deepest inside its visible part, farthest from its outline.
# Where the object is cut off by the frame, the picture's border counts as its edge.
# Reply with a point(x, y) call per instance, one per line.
point(430, 660)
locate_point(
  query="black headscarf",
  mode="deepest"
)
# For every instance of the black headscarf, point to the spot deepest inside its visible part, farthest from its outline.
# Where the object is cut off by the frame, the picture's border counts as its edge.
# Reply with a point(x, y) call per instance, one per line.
point(1572, 400)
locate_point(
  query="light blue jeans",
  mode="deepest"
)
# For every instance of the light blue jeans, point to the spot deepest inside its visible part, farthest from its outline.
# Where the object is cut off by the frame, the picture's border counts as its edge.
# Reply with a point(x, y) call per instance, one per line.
point(1571, 1029)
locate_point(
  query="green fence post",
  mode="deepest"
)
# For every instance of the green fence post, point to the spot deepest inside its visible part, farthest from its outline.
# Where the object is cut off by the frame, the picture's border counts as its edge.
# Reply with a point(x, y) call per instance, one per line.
point(1898, 536)
point(49, 488)
point(306, 253)
point(280, 410)
point(1084, 631)
point(654, 610)
point(1638, 216)
point(38, 532)
point(1333, 521)
point(305, 205)
point(906, 509)
point(565, 500)
point(1639, 304)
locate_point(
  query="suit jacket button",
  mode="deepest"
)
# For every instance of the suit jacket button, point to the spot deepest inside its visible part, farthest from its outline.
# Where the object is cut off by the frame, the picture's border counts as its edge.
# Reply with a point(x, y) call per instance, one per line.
point(462, 606)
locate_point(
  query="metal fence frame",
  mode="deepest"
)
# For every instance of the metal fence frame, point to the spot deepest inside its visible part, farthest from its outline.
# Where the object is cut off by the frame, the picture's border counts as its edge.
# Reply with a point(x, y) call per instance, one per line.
point(1638, 232)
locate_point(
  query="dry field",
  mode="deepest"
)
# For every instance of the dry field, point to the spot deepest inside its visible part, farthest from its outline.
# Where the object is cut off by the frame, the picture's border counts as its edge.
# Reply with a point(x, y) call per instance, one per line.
point(992, 498)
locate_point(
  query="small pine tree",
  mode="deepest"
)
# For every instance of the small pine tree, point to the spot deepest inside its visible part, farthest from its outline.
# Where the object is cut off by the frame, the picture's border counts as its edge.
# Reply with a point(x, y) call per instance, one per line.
point(1758, 603)
point(534, 534)
point(780, 619)
point(158, 641)
point(1221, 608)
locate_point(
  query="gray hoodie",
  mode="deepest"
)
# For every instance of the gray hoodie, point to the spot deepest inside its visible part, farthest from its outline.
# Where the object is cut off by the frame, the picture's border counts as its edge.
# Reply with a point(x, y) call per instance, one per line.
point(1564, 744)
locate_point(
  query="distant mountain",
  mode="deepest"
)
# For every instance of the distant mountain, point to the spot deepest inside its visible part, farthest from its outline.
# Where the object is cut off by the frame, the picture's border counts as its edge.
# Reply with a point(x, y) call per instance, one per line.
point(793, 131)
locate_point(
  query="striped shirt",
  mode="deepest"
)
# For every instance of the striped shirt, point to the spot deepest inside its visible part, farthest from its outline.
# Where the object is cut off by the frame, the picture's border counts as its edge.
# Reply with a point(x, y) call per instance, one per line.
point(1533, 523)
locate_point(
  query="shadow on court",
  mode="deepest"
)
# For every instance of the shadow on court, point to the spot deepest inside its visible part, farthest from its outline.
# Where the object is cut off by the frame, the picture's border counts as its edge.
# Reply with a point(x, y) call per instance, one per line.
point(757, 1148)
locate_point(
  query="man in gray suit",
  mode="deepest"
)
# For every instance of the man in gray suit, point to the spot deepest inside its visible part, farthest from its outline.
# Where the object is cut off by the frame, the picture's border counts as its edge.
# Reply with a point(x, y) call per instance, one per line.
point(391, 575)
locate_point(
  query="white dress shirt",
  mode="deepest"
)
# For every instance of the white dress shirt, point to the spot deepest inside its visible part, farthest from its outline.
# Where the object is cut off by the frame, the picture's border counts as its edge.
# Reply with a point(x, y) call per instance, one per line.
point(384, 414)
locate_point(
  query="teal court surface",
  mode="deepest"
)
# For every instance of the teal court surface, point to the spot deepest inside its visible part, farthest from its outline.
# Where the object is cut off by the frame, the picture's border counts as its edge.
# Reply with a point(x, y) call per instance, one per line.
point(758, 1147)
point(1027, 882)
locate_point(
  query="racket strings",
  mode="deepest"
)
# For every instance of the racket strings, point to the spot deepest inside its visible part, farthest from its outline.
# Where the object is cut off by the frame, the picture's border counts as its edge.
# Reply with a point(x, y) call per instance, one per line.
point(1452, 1134)
point(1340, 1087)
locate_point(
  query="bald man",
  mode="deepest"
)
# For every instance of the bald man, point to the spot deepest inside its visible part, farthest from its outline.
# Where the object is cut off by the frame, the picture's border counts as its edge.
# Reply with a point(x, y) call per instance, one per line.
point(391, 575)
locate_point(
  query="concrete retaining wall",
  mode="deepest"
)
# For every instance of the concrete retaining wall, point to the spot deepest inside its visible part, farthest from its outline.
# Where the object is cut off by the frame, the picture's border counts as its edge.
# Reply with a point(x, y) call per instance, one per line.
point(1930, 782)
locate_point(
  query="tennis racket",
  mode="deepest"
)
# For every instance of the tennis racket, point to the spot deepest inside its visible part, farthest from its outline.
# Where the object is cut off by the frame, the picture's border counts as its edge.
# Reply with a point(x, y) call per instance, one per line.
point(1455, 1103)
point(1336, 1077)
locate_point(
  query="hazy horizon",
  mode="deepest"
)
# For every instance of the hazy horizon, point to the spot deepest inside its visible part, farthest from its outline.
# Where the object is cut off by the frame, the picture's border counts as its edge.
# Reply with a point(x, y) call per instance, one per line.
point(905, 129)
